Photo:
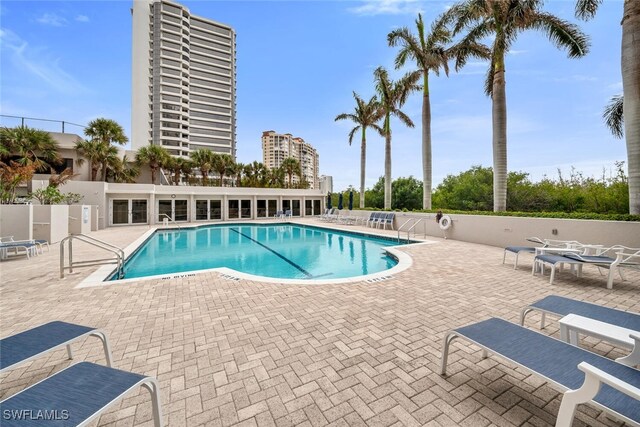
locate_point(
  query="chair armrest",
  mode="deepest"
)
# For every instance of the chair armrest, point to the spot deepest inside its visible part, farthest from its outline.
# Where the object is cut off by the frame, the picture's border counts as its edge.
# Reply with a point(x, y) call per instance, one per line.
point(605, 378)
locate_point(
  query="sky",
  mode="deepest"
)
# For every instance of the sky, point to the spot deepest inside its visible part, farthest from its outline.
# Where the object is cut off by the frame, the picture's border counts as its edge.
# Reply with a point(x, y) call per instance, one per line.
point(298, 63)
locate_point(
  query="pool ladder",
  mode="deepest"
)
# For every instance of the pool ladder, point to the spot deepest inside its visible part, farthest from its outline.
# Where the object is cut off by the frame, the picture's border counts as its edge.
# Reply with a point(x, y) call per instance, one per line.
point(118, 252)
point(412, 228)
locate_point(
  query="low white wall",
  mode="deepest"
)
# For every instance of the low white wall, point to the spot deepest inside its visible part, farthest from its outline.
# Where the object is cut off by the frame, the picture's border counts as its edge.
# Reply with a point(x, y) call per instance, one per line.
point(95, 214)
point(51, 222)
point(16, 221)
point(504, 231)
point(79, 219)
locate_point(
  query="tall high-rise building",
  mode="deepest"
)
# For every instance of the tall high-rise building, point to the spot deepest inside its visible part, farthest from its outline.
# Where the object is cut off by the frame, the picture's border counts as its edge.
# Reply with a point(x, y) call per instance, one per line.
point(277, 147)
point(183, 80)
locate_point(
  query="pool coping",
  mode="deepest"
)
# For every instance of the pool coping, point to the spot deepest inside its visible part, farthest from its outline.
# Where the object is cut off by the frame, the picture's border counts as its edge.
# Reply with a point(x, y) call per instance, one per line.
point(98, 277)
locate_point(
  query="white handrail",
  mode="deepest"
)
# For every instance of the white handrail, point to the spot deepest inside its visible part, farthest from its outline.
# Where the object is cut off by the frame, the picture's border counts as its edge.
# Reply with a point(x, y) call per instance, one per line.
point(118, 252)
point(417, 221)
point(170, 219)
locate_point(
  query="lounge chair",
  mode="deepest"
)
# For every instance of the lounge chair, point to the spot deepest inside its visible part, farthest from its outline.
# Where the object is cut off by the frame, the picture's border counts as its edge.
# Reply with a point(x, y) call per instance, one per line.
point(29, 248)
point(39, 242)
point(613, 258)
point(561, 306)
point(287, 214)
point(75, 396)
point(279, 214)
point(387, 220)
point(28, 345)
point(373, 220)
point(545, 243)
point(581, 375)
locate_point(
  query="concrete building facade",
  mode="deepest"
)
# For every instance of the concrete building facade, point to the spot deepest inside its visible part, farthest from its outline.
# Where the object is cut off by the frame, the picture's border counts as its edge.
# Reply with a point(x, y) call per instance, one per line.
point(277, 147)
point(183, 80)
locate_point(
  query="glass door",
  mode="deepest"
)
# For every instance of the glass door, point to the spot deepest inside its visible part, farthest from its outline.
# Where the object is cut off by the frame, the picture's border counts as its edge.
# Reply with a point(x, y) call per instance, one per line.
point(215, 209)
point(139, 211)
point(180, 210)
point(164, 209)
point(202, 210)
point(120, 212)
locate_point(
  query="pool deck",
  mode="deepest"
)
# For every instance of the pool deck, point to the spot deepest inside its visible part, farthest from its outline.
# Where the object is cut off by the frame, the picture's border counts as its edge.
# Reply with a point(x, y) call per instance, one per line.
point(239, 352)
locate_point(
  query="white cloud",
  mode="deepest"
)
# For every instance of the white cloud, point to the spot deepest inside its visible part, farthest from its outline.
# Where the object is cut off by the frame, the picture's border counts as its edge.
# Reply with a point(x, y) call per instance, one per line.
point(82, 18)
point(53, 20)
point(387, 7)
point(576, 78)
point(616, 87)
point(516, 52)
point(37, 62)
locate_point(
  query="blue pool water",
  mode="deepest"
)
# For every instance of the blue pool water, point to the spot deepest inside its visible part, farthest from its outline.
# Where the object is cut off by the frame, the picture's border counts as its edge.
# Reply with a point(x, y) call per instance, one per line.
point(279, 250)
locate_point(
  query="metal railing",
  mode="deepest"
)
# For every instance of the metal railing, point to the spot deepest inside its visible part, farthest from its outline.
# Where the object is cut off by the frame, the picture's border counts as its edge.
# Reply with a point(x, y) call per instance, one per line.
point(413, 226)
point(170, 219)
point(118, 252)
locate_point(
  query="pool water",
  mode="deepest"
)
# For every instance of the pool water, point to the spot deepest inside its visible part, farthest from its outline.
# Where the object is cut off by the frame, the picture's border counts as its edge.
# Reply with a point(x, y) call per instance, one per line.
point(278, 251)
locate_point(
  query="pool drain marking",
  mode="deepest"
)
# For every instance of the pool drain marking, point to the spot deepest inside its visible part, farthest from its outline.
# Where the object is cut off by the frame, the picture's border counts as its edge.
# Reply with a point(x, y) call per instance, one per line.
point(305, 272)
point(379, 279)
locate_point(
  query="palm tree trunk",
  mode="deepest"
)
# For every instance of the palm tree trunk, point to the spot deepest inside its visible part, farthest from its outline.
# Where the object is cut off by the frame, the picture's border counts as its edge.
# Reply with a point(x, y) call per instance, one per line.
point(387, 163)
point(426, 146)
point(153, 175)
point(363, 164)
point(94, 171)
point(499, 110)
point(631, 93)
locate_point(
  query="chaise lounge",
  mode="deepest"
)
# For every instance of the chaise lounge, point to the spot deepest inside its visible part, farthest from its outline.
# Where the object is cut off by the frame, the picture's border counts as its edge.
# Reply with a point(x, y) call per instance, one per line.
point(76, 396)
point(581, 375)
point(28, 345)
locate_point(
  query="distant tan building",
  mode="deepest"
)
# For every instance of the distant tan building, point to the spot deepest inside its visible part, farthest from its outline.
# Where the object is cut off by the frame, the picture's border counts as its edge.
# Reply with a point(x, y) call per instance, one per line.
point(277, 147)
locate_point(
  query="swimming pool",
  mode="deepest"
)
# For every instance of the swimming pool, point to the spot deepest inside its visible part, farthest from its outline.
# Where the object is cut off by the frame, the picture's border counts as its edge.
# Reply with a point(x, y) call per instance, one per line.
point(284, 251)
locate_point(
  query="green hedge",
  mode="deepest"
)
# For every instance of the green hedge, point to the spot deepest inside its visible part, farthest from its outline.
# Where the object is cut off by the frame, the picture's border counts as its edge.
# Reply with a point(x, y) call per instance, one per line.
point(560, 215)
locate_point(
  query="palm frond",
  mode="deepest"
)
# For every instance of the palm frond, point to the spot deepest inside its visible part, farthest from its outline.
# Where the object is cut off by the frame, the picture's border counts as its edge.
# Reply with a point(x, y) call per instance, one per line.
point(352, 133)
point(613, 116)
point(586, 9)
point(406, 120)
point(562, 33)
point(346, 116)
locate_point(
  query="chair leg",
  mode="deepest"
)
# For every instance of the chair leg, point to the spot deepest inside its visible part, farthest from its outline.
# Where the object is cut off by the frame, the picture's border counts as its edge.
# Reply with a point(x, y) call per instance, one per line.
point(572, 398)
point(152, 385)
point(523, 314)
point(445, 351)
point(542, 320)
point(553, 273)
point(610, 278)
point(70, 352)
point(515, 264)
point(105, 345)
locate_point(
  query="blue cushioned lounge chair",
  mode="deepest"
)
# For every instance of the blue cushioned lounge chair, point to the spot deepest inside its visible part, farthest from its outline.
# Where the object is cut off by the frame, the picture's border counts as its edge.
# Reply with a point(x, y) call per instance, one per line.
point(28, 345)
point(561, 306)
point(581, 375)
point(75, 396)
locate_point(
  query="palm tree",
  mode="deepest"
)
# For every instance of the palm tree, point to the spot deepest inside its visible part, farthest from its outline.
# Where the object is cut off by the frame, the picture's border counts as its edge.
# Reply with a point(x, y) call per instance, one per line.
point(236, 170)
point(154, 156)
point(366, 114)
point(256, 174)
point(505, 20)
point(586, 9)
point(32, 146)
point(187, 169)
point(122, 171)
point(291, 166)
point(203, 160)
point(96, 153)
point(106, 132)
point(275, 178)
point(431, 52)
point(392, 95)
point(613, 116)
point(221, 164)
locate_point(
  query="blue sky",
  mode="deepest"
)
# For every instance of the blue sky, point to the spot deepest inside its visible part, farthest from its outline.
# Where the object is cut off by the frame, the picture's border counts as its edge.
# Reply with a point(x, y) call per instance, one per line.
point(298, 63)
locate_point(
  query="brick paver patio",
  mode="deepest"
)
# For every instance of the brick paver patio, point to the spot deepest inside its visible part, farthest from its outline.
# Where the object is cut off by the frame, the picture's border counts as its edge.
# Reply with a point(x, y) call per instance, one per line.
point(236, 352)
